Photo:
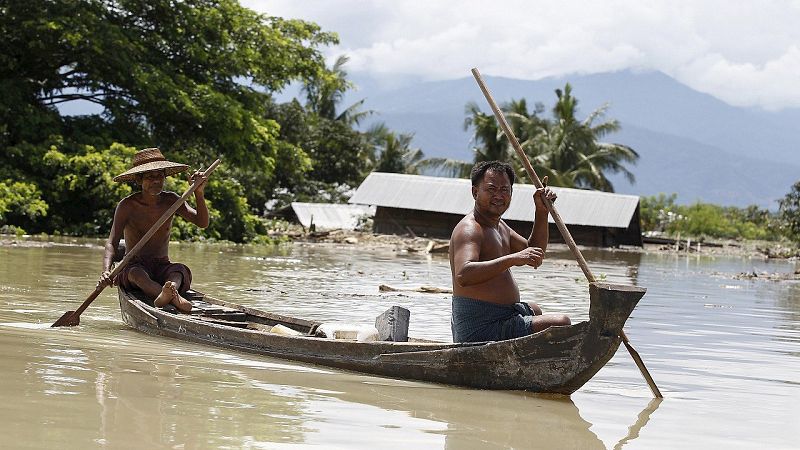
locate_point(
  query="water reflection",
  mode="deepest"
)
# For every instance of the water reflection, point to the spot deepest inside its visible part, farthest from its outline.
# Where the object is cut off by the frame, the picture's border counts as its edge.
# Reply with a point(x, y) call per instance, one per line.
point(167, 393)
point(641, 420)
point(178, 403)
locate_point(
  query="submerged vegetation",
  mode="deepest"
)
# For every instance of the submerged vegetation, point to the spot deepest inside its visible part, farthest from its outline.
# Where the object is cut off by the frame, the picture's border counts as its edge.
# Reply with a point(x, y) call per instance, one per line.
point(660, 214)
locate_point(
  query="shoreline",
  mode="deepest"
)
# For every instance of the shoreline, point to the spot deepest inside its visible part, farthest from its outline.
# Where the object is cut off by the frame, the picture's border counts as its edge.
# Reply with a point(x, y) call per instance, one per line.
point(418, 244)
point(761, 250)
point(753, 249)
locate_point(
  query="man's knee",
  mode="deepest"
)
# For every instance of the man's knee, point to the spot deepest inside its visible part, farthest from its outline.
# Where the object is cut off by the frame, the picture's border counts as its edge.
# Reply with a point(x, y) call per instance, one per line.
point(546, 321)
point(137, 276)
point(537, 310)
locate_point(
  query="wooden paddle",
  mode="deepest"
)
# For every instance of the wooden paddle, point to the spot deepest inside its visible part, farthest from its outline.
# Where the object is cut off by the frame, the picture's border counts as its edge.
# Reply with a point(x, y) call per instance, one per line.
point(559, 222)
point(72, 318)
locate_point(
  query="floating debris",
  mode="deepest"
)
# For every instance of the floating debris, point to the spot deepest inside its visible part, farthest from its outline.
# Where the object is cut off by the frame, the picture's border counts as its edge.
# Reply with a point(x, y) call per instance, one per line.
point(423, 289)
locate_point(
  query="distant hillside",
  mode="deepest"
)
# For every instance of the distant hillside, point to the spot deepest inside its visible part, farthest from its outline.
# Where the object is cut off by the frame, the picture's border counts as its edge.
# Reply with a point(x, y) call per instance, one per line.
point(690, 143)
point(697, 171)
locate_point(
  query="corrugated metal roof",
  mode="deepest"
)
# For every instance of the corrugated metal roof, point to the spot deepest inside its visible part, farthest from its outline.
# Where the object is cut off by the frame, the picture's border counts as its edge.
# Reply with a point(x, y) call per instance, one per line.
point(454, 195)
point(329, 216)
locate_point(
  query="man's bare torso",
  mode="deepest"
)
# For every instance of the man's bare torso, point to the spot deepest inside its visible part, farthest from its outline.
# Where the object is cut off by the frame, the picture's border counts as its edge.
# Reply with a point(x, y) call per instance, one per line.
point(140, 217)
point(496, 242)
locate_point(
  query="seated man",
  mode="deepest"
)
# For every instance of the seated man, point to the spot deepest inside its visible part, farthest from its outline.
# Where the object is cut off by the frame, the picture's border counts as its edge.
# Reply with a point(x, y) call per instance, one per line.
point(486, 303)
point(150, 270)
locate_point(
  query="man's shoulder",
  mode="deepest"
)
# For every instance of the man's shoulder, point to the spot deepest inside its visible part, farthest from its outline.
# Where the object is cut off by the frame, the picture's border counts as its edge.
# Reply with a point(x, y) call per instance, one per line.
point(130, 200)
point(467, 221)
point(467, 227)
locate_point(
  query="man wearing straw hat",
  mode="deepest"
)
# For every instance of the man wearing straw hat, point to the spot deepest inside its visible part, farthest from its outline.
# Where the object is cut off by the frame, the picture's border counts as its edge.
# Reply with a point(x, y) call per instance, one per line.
point(151, 270)
point(486, 303)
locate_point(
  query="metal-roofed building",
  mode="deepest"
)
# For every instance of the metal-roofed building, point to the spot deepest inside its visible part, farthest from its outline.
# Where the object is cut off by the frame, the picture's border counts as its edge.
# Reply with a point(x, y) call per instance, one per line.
point(432, 206)
point(329, 216)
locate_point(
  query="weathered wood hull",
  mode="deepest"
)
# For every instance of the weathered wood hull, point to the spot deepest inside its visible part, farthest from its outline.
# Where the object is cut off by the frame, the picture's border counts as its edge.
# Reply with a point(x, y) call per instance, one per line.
point(558, 360)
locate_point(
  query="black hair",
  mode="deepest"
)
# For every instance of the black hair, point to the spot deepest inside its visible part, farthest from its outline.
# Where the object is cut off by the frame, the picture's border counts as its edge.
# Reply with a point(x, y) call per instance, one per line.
point(482, 167)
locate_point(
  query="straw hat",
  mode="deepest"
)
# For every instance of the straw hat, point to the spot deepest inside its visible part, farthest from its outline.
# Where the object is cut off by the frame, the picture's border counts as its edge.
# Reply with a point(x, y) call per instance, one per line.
point(148, 160)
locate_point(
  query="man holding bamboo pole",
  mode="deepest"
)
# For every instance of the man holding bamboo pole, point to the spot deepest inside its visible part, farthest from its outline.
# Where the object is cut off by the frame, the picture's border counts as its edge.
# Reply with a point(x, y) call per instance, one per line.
point(483, 248)
point(151, 270)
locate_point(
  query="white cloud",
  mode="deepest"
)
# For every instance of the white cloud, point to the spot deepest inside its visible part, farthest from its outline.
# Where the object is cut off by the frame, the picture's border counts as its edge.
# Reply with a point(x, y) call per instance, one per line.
point(746, 53)
point(773, 85)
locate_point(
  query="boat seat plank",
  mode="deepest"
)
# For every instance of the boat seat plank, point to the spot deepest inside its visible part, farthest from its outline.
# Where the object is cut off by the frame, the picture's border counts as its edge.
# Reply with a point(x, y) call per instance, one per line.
point(209, 307)
point(232, 316)
point(218, 321)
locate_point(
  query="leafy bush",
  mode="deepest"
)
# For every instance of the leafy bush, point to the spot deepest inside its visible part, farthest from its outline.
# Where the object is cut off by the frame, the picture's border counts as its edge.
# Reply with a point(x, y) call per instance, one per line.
point(657, 211)
point(235, 221)
point(790, 212)
point(661, 214)
point(20, 202)
point(80, 188)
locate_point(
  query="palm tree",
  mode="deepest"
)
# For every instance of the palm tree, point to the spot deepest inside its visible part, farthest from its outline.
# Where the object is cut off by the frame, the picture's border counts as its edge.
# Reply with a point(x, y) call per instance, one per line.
point(569, 151)
point(393, 152)
point(324, 94)
point(526, 125)
point(565, 149)
point(489, 142)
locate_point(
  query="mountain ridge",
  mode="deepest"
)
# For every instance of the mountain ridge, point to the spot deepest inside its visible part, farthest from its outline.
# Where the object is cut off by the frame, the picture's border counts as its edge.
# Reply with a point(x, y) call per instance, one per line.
point(743, 155)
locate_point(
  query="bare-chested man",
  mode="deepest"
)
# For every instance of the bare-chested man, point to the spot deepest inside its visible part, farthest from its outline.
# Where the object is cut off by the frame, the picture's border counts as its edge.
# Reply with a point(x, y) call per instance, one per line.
point(486, 302)
point(150, 270)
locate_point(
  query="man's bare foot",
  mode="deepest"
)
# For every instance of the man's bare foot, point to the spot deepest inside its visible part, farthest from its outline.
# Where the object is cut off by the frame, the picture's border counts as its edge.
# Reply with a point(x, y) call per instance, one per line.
point(166, 295)
point(181, 303)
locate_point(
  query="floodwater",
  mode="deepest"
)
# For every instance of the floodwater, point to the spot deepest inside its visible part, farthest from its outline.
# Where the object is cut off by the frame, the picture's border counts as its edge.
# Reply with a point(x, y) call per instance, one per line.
point(723, 351)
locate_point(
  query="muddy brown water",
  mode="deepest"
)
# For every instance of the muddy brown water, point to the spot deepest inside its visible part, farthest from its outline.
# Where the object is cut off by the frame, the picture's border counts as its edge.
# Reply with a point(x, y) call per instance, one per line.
point(723, 351)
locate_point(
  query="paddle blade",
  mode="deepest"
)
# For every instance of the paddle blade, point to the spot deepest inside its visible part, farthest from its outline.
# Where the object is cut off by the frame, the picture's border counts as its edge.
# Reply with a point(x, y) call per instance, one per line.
point(69, 319)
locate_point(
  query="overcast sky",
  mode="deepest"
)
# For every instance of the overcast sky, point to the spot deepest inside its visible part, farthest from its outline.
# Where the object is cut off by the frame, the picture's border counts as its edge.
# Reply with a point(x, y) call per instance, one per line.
point(746, 53)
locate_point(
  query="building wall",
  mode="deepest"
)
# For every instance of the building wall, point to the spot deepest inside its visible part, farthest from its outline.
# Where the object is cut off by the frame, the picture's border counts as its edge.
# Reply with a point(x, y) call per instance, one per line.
point(441, 225)
point(421, 223)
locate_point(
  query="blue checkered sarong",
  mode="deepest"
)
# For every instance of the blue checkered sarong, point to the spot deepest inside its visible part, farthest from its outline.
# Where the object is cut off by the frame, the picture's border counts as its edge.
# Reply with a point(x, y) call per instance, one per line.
point(477, 321)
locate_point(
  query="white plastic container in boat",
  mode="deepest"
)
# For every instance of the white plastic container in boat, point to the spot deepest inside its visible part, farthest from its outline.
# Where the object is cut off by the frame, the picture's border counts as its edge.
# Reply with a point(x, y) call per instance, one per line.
point(360, 333)
point(284, 330)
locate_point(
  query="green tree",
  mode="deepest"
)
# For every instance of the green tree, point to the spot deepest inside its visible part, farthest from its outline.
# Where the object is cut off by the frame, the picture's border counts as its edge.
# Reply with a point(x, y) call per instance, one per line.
point(661, 213)
point(657, 211)
point(790, 212)
point(20, 203)
point(171, 69)
point(326, 92)
point(78, 180)
point(193, 77)
point(569, 151)
point(339, 152)
point(336, 152)
point(393, 151)
point(489, 142)
point(565, 149)
point(526, 125)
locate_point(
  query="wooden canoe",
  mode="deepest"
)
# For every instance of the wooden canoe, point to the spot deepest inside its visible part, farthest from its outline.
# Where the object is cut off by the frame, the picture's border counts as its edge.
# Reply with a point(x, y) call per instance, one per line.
point(558, 360)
